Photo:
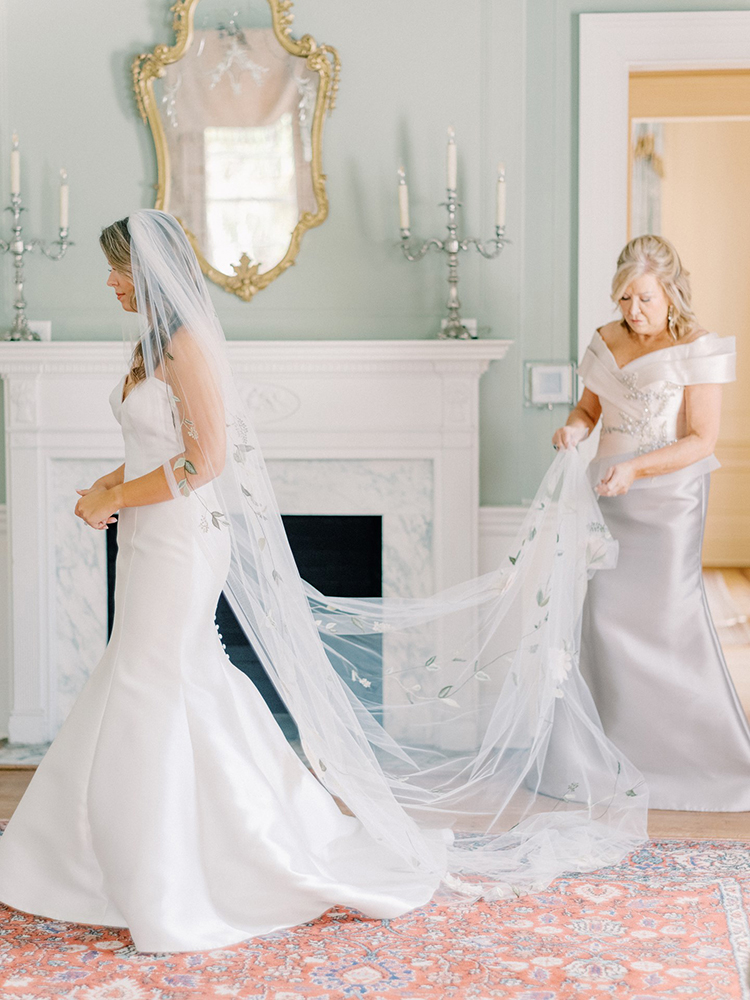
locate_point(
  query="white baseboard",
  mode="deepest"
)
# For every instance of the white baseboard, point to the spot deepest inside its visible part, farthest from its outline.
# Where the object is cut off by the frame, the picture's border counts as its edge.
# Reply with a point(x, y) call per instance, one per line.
point(497, 529)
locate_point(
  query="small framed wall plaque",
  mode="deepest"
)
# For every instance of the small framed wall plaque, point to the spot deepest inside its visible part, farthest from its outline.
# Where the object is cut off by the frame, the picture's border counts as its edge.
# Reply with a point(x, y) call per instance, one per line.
point(549, 383)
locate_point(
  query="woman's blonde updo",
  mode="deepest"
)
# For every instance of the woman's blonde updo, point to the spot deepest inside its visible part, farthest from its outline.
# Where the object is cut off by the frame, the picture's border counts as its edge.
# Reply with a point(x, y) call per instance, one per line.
point(655, 255)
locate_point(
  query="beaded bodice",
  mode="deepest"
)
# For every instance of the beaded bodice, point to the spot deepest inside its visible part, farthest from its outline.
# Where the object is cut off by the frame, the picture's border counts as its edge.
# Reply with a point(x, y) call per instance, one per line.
point(643, 403)
point(661, 406)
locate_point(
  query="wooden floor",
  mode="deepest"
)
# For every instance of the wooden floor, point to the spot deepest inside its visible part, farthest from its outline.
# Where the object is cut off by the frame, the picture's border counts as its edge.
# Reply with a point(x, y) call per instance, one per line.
point(701, 826)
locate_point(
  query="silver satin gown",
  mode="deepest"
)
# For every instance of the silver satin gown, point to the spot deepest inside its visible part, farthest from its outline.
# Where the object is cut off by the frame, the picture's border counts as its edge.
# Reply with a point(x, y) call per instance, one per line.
point(649, 649)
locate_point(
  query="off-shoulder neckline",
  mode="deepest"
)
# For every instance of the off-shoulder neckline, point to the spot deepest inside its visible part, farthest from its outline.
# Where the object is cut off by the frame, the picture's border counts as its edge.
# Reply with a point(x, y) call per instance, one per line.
point(659, 350)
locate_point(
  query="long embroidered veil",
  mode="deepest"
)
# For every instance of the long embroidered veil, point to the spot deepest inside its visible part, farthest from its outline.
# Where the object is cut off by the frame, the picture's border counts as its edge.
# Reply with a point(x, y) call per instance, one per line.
point(461, 711)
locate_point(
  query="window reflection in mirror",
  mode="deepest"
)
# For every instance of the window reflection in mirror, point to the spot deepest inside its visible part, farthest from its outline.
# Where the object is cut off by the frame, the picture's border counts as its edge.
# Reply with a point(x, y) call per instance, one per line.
point(237, 111)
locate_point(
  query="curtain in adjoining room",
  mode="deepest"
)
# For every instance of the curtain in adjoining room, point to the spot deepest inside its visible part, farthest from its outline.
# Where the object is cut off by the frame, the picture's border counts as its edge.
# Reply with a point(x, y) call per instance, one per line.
point(648, 171)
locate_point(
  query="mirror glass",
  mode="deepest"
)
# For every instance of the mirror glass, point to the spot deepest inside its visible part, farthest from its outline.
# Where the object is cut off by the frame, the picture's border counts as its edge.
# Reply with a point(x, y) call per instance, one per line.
point(239, 105)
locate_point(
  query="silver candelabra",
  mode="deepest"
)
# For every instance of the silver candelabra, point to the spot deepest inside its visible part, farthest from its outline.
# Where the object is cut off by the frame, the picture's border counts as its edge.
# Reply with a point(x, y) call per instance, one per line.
point(454, 327)
point(18, 247)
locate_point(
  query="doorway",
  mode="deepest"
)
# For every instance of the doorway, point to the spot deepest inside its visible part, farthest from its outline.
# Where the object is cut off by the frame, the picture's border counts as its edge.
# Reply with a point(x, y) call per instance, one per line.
point(689, 169)
point(689, 181)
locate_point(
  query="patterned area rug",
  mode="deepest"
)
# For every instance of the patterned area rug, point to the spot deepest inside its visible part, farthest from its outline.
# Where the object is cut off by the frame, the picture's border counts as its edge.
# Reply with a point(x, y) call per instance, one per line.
point(672, 921)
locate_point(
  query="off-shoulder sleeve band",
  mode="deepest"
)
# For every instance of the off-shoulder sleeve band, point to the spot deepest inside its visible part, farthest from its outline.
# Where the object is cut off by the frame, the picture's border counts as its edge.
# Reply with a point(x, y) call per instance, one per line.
point(717, 365)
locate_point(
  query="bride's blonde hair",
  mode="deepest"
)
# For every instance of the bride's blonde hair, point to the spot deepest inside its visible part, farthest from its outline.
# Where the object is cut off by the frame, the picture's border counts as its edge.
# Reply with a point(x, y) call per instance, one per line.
point(115, 242)
point(655, 255)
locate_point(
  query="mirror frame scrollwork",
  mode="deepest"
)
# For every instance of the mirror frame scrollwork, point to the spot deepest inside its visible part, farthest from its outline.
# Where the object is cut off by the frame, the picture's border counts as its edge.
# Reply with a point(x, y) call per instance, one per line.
point(322, 59)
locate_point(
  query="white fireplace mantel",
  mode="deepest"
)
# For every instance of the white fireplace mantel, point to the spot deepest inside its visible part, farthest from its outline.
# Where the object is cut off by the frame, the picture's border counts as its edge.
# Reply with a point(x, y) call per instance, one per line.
point(388, 427)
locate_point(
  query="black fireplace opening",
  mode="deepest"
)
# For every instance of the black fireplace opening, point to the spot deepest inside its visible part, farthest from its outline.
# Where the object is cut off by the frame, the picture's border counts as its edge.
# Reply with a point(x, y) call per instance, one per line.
point(337, 554)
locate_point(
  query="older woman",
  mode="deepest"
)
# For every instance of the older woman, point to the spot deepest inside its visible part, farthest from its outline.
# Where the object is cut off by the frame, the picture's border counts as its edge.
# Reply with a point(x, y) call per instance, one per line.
point(649, 650)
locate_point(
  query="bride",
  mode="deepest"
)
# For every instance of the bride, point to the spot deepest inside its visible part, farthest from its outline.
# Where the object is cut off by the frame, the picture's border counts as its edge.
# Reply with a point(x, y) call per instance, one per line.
point(456, 729)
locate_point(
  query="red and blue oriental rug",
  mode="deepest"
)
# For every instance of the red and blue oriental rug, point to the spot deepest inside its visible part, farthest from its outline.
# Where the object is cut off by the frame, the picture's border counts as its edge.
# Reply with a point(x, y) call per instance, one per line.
point(670, 922)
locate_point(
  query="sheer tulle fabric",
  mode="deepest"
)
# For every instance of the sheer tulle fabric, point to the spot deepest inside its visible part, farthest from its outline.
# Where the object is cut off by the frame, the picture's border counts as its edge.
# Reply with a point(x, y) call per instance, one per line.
point(463, 711)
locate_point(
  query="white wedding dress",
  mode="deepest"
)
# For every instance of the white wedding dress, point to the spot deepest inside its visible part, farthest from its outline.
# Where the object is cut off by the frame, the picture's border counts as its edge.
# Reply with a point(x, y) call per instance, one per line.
point(170, 802)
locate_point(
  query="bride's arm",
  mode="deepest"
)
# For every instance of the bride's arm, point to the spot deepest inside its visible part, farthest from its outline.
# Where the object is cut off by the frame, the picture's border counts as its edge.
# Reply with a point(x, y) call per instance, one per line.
point(112, 479)
point(702, 417)
point(199, 409)
point(107, 482)
point(199, 412)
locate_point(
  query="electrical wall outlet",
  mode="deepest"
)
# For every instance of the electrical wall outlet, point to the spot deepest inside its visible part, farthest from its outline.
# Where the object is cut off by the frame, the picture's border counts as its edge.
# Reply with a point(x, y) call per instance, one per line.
point(549, 383)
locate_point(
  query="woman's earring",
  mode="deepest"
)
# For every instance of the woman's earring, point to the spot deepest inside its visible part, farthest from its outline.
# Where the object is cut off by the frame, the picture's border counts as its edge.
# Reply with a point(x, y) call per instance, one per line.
point(671, 323)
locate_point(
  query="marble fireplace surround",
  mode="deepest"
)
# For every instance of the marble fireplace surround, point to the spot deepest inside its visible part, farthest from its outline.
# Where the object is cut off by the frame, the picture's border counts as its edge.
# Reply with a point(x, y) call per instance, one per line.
point(389, 428)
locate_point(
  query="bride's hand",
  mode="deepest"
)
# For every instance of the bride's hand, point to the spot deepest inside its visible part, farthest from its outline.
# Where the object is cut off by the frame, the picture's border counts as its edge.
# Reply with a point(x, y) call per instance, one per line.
point(96, 507)
point(616, 480)
point(98, 485)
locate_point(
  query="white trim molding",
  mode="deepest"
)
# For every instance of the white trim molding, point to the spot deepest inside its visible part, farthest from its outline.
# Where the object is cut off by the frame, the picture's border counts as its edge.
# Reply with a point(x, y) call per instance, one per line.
point(611, 46)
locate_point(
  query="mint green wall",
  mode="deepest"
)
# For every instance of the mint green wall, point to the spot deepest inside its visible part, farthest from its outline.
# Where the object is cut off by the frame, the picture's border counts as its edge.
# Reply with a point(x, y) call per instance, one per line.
point(513, 97)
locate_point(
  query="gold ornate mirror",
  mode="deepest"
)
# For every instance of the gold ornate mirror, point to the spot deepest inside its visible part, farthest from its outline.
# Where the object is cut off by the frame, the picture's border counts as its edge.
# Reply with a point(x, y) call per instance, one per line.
point(236, 109)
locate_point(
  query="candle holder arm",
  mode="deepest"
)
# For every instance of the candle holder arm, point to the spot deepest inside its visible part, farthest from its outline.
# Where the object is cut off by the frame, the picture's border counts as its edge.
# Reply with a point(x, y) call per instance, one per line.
point(489, 249)
point(416, 251)
point(63, 243)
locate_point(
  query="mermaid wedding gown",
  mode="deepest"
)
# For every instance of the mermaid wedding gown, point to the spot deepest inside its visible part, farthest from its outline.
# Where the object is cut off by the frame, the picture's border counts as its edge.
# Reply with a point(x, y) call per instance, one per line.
point(649, 650)
point(170, 802)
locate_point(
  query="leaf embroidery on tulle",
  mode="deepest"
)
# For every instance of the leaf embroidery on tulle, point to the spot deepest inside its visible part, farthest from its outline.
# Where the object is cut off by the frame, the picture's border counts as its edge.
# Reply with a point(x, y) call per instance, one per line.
point(571, 788)
point(240, 451)
point(361, 680)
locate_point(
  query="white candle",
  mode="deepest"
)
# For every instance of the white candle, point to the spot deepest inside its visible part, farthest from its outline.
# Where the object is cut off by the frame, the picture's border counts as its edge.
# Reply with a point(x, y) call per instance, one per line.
point(63, 199)
point(15, 167)
point(452, 159)
point(501, 195)
point(403, 199)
